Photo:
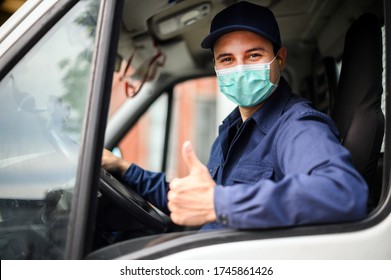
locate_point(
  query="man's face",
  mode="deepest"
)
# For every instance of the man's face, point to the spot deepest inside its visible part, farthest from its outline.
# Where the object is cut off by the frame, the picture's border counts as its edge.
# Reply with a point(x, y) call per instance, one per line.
point(245, 47)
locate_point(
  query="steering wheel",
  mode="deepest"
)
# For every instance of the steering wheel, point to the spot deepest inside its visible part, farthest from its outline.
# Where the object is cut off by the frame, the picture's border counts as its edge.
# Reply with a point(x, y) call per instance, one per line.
point(132, 202)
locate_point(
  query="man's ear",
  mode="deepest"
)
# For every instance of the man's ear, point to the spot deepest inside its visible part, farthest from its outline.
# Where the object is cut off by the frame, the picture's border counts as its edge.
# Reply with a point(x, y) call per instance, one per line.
point(281, 58)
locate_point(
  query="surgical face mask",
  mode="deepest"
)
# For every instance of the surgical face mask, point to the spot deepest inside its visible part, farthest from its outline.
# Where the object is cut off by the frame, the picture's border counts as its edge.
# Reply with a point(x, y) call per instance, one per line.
point(246, 85)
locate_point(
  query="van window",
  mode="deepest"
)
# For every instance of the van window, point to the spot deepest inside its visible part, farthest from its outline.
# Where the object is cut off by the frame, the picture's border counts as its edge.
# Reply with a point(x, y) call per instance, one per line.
point(193, 117)
point(42, 105)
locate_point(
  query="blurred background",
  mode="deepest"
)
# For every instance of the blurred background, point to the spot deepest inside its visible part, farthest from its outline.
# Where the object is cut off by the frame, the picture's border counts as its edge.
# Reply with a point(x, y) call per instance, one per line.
point(8, 7)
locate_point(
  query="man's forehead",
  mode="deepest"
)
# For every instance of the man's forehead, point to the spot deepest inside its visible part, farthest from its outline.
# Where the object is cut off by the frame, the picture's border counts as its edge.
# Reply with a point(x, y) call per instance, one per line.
point(246, 39)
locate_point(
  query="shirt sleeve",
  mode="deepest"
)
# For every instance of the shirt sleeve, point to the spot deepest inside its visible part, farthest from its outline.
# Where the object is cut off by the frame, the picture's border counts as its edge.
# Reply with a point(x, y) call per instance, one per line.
point(150, 185)
point(320, 184)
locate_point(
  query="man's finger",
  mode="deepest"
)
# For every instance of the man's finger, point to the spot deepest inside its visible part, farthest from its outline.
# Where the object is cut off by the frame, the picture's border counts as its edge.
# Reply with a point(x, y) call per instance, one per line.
point(190, 158)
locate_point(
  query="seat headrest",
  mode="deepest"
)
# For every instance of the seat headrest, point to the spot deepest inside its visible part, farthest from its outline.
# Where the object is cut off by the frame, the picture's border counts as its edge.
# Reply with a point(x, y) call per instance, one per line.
point(361, 70)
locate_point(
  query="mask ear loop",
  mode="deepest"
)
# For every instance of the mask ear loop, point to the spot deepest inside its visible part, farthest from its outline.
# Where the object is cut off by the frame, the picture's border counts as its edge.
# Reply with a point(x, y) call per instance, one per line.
point(274, 58)
point(279, 76)
point(279, 63)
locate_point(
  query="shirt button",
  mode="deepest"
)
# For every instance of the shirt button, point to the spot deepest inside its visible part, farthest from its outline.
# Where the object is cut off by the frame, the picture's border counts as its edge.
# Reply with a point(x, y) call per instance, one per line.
point(224, 219)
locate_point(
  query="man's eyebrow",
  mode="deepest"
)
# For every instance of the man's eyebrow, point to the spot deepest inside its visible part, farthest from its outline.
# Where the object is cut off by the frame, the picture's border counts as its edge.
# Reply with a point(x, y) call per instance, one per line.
point(256, 49)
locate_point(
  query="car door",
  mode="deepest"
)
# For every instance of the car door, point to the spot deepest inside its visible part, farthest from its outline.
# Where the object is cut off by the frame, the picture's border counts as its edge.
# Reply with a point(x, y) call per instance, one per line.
point(53, 90)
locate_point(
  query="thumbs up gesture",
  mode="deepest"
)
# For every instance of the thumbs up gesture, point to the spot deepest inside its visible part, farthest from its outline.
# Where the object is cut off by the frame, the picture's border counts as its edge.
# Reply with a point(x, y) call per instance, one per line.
point(191, 198)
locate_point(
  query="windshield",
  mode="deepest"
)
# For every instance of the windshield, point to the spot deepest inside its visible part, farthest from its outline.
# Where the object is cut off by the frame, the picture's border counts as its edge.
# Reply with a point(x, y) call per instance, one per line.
point(42, 106)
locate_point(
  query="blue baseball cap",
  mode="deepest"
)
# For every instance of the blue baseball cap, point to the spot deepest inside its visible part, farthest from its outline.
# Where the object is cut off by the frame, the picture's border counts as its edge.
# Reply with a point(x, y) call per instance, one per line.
point(244, 16)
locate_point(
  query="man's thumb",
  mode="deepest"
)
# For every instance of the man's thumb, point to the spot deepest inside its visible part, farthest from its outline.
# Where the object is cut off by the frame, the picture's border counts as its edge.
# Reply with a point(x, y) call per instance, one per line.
point(190, 158)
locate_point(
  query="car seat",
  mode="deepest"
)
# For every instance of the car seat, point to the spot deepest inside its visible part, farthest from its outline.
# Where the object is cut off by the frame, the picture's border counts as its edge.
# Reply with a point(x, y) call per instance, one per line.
point(357, 103)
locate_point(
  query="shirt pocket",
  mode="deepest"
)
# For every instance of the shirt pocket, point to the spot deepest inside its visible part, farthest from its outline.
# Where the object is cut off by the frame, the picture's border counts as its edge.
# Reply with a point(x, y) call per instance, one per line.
point(251, 173)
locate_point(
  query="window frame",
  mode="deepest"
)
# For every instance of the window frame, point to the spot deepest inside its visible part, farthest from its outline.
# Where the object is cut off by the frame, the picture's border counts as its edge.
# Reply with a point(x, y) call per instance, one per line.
point(381, 213)
point(188, 242)
point(85, 192)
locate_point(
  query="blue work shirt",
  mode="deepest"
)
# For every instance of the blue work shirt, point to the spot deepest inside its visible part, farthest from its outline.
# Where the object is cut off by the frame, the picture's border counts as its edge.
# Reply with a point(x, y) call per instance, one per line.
point(283, 166)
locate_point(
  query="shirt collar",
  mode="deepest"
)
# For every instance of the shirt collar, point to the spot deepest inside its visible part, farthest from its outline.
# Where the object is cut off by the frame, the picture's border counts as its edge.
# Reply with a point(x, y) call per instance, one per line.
point(232, 117)
point(266, 116)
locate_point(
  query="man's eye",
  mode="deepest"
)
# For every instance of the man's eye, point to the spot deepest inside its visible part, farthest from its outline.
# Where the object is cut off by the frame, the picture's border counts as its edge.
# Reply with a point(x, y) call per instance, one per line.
point(226, 59)
point(255, 55)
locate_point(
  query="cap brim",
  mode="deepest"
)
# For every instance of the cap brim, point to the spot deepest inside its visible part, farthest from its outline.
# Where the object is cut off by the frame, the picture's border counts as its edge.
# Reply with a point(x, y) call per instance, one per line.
point(210, 40)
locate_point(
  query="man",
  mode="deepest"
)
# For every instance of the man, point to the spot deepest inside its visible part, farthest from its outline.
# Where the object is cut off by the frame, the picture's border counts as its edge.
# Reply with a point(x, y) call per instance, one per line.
point(276, 161)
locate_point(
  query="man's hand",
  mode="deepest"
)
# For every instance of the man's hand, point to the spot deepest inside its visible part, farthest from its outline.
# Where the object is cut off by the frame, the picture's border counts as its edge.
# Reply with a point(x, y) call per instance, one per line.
point(191, 198)
point(113, 164)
